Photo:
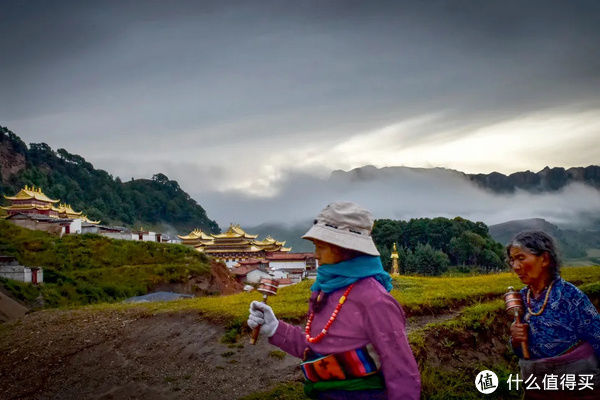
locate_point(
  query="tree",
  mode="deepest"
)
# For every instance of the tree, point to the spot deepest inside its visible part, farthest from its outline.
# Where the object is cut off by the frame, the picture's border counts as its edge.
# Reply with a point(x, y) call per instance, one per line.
point(429, 261)
point(490, 260)
point(160, 178)
point(385, 253)
point(466, 248)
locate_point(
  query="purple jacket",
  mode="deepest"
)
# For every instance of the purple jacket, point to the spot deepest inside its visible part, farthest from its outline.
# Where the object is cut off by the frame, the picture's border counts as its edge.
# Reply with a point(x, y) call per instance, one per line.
point(369, 315)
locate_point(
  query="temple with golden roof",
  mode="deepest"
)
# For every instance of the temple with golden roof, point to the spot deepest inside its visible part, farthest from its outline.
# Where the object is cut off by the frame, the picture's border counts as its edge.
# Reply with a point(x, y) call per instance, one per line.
point(32, 200)
point(233, 246)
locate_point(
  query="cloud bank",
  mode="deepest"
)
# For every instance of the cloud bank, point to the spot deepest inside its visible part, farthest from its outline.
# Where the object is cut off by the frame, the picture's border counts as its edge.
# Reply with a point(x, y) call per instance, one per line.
point(401, 193)
point(223, 95)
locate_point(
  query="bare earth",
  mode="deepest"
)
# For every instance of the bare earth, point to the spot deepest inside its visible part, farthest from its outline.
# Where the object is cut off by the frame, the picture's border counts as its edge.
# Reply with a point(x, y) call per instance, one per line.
point(10, 309)
point(77, 354)
point(85, 354)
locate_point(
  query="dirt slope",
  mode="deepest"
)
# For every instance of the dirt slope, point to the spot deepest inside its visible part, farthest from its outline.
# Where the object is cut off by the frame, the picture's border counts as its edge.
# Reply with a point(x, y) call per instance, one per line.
point(10, 309)
point(220, 281)
point(86, 354)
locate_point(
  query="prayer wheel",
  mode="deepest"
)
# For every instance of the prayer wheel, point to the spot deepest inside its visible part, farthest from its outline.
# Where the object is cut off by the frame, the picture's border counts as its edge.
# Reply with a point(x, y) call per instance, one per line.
point(514, 307)
point(268, 287)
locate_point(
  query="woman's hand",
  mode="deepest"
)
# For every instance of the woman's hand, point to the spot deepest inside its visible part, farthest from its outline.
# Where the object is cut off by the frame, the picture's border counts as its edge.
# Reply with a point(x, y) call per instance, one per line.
point(518, 333)
point(262, 314)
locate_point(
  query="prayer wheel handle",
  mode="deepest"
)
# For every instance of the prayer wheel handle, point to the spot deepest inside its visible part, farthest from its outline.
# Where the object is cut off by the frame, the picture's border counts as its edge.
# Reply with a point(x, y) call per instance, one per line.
point(268, 287)
point(514, 306)
point(255, 333)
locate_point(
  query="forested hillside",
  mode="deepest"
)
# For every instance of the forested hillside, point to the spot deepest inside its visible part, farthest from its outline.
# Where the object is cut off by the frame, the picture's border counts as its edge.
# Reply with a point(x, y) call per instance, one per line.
point(156, 202)
point(428, 246)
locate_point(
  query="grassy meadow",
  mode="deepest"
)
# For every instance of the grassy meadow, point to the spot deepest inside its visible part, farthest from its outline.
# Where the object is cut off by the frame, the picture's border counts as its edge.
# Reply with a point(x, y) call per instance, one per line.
point(84, 269)
point(417, 295)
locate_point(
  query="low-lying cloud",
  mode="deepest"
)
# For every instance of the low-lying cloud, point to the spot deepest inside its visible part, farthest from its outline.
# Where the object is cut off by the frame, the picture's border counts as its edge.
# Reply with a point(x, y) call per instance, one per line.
point(400, 193)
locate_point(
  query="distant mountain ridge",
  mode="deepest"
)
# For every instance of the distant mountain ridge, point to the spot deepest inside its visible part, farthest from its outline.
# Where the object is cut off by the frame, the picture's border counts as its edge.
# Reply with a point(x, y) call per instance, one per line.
point(546, 180)
point(157, 203)
point(505, 231)
point(572, 243)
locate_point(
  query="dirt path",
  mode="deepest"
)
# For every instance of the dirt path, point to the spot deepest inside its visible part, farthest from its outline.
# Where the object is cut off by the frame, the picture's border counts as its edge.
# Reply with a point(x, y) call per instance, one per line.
point(415, 323)
point(129, 355)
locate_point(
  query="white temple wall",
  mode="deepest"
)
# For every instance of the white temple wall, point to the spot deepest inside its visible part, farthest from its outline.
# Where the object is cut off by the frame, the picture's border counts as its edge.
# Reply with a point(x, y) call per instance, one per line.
point(76, 226)
point(20, 273)
point(280, 264)
point(117, 235)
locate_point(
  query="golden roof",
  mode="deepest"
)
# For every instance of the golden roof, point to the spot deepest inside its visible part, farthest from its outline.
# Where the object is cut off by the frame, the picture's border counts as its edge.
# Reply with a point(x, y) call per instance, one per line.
point(66, 209)
point(239, 230)
point(269, 240)
point(195, 234)
point(234, 231)
point(231, 233)
point(29, 207)
point(203, 245)
point(33, 193)
point(234, 240)
point(29, 193)
point(86, 219)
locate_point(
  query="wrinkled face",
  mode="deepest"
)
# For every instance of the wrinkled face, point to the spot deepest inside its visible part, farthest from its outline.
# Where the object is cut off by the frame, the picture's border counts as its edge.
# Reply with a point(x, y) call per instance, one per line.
point(529, 267)
point(326, 253)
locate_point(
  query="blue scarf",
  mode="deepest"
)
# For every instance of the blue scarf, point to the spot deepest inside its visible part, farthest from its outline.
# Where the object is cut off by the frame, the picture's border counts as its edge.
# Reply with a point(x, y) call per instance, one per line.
point(331, 277)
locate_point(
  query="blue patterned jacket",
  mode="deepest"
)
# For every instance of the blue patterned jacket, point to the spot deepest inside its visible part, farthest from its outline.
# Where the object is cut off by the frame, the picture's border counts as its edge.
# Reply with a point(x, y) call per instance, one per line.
point(569, 318)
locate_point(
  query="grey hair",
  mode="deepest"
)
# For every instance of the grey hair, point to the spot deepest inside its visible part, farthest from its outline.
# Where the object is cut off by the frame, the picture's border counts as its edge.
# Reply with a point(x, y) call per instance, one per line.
point(538, 243)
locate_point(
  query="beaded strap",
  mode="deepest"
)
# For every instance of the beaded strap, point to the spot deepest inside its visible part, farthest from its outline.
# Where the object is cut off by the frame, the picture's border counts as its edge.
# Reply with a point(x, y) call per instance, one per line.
point(543, 305)
point(332, 318)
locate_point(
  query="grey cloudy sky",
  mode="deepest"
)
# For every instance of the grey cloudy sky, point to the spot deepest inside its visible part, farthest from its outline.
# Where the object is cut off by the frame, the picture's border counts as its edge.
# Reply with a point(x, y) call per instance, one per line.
point(242, 95)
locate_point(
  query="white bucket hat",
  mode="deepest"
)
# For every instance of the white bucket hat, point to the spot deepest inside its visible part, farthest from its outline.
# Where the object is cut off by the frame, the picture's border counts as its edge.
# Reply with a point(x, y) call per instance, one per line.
point(344, 224)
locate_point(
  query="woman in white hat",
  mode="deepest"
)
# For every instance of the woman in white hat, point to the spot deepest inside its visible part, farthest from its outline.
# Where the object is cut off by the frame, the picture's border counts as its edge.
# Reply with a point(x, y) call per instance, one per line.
point(354, 345)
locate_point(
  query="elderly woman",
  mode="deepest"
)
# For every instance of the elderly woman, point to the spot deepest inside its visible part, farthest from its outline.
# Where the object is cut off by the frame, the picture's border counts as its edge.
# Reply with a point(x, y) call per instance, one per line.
point(561, 326)
point(354, 345)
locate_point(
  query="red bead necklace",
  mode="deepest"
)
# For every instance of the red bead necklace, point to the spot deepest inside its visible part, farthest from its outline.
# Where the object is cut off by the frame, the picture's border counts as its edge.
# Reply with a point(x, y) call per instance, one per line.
point(334, 315)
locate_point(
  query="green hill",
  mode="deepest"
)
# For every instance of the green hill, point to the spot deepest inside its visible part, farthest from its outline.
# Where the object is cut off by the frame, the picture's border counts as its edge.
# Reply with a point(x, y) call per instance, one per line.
point(82, 269)
point(429, 245)
point(157, 202)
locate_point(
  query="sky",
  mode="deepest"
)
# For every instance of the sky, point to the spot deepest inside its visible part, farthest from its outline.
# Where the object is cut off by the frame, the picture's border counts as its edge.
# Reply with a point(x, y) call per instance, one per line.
point(246, 100)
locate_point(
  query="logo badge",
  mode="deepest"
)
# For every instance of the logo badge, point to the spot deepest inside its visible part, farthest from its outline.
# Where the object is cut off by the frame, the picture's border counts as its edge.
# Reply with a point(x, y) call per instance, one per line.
point(486, 382)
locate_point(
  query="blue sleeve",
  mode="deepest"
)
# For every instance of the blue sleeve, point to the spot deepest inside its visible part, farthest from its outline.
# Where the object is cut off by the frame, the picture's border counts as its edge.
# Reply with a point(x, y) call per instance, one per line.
point(588, 327)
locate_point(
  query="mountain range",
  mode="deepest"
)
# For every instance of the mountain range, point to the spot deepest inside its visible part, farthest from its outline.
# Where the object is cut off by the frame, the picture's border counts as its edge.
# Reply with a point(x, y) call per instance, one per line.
point(545, 180)
point(160, 203)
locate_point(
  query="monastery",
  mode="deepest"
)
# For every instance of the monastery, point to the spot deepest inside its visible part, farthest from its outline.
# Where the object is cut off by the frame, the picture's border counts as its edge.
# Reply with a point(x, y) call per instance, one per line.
point(234, 245)
point(31, 208)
